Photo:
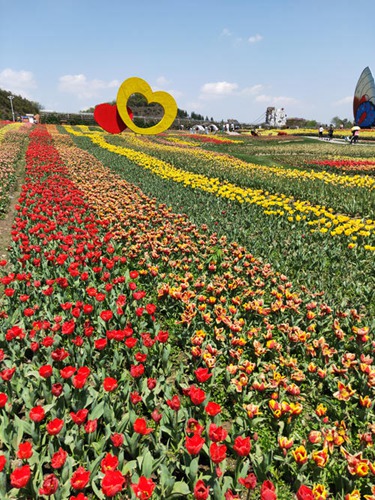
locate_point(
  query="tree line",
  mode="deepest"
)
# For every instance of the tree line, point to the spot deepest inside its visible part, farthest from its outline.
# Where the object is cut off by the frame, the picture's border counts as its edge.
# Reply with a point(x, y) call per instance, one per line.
point(21, 106)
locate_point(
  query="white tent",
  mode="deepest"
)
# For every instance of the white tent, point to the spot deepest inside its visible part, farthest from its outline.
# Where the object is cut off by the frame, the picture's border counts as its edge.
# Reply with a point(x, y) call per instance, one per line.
point(198, 128)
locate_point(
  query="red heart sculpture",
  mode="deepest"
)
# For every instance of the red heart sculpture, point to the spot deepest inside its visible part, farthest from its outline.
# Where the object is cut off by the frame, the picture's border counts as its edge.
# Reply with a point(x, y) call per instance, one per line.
point(107, 117)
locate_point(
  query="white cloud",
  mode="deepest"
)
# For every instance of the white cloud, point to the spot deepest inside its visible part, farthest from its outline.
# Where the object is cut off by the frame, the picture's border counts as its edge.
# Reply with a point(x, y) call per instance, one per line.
point(275, 100)
point(225, 33)
point(162, 81)
point(84, 88)
point(175, 93)
point(253, 90)
point(218, 89)
point(255, 38)
point(18, 82)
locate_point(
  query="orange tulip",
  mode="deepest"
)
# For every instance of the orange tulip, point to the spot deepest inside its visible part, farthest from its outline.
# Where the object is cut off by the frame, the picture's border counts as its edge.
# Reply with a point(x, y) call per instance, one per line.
point(300, 455)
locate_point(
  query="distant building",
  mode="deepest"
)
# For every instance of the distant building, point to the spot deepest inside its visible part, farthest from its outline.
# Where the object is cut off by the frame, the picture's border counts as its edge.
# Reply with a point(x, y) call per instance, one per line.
point(28, 118)
point(275, 117)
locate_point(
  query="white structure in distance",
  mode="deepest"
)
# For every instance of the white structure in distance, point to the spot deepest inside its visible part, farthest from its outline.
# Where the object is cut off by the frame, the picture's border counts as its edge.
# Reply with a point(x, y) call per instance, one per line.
point(275, 117)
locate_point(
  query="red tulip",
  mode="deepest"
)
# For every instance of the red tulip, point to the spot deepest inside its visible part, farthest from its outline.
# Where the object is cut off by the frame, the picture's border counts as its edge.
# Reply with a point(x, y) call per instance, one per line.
point(54, 426)
point(3, 399)
point(117, 439)
point(25, 450)
point(109, 463)
point(249, 482)
point(197, 395)
point(58, 459)
point(174, 403)
point(140, 426)
point(304, 493)
point(267, 491)
point(212, 408)
point(144, 488)
point(50, 485)
point(112, 483)
point(194, 444)
point(202, 375)
point(20, 476)
point(37, 413)
point(242, 446)
point(218, 452)
point(217, 433)
point(110, 384)
point(91, 426)
point(45, 371)
point(201, 491)
point(80, 478)
point(80, 416)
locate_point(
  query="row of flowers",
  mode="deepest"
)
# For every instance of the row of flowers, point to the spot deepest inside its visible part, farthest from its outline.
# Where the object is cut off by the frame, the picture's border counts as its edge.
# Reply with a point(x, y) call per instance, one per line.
point(347, 164)
point(344, 194)
point(366, 133)
point(226, 162)
point(273, 204)
point(10, 153)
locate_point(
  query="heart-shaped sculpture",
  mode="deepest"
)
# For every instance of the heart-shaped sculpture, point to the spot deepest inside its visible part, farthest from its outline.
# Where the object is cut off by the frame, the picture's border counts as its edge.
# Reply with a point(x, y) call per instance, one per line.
point(107, 116)
point(136, 85)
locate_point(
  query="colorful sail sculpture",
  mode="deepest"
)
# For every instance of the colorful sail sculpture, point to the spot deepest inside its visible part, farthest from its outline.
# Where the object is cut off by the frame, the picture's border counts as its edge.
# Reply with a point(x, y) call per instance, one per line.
point(364, 100)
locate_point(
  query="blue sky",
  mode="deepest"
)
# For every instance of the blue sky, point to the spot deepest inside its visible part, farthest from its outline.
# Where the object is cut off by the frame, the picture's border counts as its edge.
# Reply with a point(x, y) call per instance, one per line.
point(220, 58)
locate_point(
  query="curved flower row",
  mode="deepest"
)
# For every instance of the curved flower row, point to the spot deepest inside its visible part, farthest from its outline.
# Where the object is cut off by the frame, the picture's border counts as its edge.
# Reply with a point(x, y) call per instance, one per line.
point(272, 204)
point(229, 162)
point(347, 164)
point(367, 133)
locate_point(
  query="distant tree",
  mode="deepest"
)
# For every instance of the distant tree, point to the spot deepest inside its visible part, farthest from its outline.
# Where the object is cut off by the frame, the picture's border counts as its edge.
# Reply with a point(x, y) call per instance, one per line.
point(21, 106)
point(182, 113)
point(196, 116)
point(296, 122)
point(311, 124)
point(137, 100)
point(337, 121)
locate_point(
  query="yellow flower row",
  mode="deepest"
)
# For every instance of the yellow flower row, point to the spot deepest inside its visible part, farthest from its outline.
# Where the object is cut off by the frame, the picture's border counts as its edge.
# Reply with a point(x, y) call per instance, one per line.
point(179, 142)
point(272, 204)
point(10, 126)
point(228, 162)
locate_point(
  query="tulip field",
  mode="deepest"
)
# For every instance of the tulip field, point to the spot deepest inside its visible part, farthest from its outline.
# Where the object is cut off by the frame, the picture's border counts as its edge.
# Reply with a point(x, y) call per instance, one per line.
point(186, 316)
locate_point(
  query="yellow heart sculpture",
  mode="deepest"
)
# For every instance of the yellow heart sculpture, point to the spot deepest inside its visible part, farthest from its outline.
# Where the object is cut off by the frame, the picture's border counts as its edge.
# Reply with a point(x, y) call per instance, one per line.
point(136, 85)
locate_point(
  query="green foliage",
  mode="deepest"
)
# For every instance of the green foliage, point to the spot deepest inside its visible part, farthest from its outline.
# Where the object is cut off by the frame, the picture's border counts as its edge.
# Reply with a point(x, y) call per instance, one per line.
point(21, 106)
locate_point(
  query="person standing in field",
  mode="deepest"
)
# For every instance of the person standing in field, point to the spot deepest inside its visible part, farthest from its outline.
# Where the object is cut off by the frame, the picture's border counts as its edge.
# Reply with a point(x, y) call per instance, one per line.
point(330, 132)
point(321, 129)
point(355, 137)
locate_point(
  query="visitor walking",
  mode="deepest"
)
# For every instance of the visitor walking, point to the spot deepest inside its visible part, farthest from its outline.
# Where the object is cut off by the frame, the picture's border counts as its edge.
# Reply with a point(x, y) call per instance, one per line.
point(330, 132)
point(321, 129)
point(355, 136)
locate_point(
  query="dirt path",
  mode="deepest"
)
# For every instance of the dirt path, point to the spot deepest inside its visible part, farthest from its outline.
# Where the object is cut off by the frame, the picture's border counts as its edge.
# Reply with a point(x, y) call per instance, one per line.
point(7, 222)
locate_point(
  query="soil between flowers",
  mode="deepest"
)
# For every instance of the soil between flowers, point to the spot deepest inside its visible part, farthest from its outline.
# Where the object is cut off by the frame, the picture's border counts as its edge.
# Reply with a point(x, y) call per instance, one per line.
point(6, 222)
